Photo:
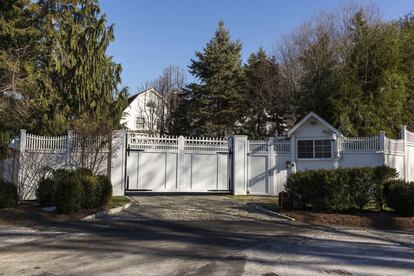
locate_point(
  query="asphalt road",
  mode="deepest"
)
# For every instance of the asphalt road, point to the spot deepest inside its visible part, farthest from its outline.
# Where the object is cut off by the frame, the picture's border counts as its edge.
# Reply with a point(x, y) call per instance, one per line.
point(200, 235)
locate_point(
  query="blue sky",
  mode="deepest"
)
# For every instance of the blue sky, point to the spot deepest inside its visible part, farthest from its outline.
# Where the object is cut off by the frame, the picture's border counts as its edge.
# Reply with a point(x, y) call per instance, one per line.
point(152, 34)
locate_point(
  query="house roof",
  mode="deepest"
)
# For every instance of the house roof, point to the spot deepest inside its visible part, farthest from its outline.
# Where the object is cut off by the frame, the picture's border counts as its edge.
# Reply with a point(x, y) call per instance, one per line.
point(151, 89)
point(317, 117)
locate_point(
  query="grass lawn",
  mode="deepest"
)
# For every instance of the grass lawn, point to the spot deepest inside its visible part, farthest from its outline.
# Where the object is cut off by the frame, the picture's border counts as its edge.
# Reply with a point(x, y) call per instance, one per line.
point(118, 201)
point(268, 202)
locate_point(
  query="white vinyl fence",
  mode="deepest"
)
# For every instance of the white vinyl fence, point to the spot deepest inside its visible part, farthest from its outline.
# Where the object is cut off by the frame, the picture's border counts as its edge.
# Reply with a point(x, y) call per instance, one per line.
point(142, 163)
point(39, 155)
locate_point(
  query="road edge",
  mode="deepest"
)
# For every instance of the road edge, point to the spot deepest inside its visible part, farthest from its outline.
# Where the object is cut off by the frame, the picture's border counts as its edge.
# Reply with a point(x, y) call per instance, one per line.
point(271, 213)
point(108, 212)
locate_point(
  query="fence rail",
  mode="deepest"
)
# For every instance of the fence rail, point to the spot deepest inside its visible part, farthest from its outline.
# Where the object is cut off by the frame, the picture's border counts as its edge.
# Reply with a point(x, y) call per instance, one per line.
point(360, 144)
point(205, 144)
point(145, 142)
point(282, 145)
point(154, 142)
point(256, 146)
point(46, 143)
point(90, 142)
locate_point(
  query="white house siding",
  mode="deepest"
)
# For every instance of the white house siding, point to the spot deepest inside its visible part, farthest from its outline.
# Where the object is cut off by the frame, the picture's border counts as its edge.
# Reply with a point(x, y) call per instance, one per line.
point(361, 159)
point(138, 108)
point(313, 129)
point(303, 165)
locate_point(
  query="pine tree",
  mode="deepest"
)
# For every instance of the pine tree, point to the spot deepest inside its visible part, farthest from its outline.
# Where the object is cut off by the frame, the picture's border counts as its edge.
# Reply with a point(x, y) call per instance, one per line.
point(372, 89)
point(267, 105)
point(214, 105)
point(80, 80)
point(317, 82)
point(406, 26)
point(18, 54)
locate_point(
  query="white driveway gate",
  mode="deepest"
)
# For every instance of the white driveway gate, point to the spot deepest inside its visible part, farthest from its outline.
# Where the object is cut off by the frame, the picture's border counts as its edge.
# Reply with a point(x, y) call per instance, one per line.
point(177, 164)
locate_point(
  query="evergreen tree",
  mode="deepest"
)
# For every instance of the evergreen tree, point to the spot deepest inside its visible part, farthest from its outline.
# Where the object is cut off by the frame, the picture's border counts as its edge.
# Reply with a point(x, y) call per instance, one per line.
point(80, 82)
point(372, 90)
point(214, 105)
point(407, 65)
point(318, 63)
point(18, 54)
point(267, 106)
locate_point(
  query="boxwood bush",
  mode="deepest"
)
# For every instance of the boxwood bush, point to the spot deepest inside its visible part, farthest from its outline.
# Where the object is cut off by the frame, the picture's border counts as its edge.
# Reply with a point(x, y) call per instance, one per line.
point(69, 195)
point(334, 190)
point(8, 195)
point(46, 192)
point(399, 195)
point(73, 190)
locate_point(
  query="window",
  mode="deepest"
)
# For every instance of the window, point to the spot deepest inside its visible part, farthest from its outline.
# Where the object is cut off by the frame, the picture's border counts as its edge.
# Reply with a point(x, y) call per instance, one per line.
point(314, 149)
point(139, 123)
point(322, 148)
point(305, 149)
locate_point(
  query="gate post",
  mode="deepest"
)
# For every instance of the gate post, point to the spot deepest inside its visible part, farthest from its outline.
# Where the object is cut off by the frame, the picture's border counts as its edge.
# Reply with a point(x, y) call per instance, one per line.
point(17, 168)
point(180, 160)
point(239, 167)
point(118, 162)
point(69, 149)
point(272, 166)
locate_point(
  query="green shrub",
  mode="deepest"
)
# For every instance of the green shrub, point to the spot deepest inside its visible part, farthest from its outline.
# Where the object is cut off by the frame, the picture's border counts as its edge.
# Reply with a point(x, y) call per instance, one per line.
point(83, 171)
point(330, 190)
point(46, 192)
point(62, 174)
point(360, 185)
point(8, 195)
point(399, 195)
point(105, 191)
point(72, 190)
point(69, 195)
point(382, 175)
point(91, 191)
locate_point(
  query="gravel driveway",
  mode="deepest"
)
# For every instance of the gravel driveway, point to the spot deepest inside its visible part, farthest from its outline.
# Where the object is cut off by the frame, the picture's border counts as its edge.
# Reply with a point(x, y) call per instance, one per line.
point(200, 235)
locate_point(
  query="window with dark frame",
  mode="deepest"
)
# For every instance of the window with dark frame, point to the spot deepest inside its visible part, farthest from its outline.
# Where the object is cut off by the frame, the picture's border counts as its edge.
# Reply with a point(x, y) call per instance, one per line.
point(305, 149)
point(314, 149)
point(323, 148)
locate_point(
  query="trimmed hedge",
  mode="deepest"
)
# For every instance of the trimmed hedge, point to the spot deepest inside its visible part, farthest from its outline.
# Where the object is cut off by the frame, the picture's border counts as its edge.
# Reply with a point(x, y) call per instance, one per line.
point(73, 190)
point(46, 192)
point(382, 175)
point(69, 195)
point(399, 195)
point(335, 190)
point(8, 195)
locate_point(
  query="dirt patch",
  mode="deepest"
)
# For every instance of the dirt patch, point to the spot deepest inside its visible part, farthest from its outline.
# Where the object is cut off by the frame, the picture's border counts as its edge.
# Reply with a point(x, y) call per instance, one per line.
point(30, 213)
point(369, 219)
